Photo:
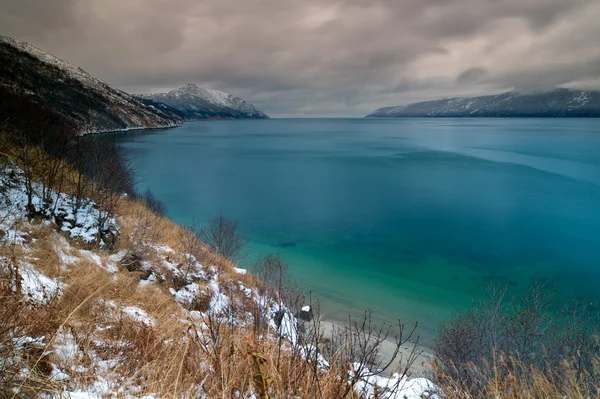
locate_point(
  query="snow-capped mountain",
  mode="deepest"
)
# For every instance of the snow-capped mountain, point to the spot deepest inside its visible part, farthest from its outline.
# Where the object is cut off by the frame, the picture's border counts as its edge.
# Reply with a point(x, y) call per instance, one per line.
point(556, 103)
point(83, 101)
point(200, 103)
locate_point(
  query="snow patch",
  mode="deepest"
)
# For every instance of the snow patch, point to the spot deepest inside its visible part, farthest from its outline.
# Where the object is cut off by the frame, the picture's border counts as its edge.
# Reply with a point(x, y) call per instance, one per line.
point(218, 301)
point(138, 315)
point(395, 387)
point(37, 287)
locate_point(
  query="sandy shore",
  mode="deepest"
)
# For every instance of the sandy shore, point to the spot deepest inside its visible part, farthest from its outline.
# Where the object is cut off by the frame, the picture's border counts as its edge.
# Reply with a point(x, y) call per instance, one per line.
point(420, 368)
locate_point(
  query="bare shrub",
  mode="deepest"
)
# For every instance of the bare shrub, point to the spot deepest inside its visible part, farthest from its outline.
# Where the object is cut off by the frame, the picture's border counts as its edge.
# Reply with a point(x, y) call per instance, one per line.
point(522, 336)
point(272, 271)
point(223, 236)
point(358, 346)
point(105, 175)
point(145, 233)
point(352, 352)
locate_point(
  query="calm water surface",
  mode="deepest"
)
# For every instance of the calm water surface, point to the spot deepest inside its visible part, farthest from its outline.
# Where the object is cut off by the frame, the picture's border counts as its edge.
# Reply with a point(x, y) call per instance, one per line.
point(409, 217)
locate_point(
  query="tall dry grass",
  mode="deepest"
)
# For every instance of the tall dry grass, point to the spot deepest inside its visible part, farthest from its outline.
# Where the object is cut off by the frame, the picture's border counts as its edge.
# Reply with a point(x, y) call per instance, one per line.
point(177, 356)
point(508, 378)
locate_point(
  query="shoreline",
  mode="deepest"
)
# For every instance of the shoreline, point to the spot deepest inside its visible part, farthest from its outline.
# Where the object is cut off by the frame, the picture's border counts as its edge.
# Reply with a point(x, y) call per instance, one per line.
point(420, 368)
point(128, 129)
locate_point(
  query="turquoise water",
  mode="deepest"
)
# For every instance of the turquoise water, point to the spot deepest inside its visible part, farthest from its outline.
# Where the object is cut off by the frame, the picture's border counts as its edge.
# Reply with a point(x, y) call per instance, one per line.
point(410, 217)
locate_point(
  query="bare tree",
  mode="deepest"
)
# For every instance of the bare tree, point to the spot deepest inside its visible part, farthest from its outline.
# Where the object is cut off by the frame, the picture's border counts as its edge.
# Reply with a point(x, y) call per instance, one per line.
point(36, 140)
point(106, 175)
point(192, 248)
point(223, 236)
point(21, 149)
point(272, 271)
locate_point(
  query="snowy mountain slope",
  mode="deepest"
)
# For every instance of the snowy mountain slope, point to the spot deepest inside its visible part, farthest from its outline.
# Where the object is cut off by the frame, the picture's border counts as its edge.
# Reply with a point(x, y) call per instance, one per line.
point(199, 103)
point(82, 100)
point(556, 103)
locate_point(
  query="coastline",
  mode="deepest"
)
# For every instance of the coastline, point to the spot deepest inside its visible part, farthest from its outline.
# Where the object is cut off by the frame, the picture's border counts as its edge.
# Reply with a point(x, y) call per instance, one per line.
point(173, 126)
point(128, 129)
point(420, 368)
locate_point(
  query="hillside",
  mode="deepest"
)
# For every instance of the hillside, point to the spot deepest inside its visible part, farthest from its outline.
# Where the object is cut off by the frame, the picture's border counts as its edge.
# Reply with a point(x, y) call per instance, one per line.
point(556, 103)
point(32, 76)
point(102, 297)
point(199, 103)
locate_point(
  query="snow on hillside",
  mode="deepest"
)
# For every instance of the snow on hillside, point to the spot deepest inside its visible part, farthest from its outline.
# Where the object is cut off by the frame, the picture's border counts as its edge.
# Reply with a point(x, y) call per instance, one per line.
point(198, 102)
point(79, 222)
point(556, 103)
point(86, 361)
point(106, 108)
point(74, 72)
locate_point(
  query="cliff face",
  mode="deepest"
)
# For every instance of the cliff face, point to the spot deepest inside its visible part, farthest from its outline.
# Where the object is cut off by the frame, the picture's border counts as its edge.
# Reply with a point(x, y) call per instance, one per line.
point(77, 98)
point(556, 103)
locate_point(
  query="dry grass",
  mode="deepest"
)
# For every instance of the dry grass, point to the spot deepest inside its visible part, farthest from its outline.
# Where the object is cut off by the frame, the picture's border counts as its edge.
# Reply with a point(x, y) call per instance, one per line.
point(160, 230)
point(172, 358)
point(511, 379)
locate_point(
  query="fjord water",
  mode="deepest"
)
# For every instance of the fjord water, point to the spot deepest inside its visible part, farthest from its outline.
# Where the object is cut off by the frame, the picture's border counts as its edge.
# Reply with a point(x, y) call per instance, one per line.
point(411, 218)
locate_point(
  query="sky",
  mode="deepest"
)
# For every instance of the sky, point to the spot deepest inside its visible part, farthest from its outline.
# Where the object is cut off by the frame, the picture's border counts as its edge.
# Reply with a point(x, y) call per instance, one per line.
point(315, 58)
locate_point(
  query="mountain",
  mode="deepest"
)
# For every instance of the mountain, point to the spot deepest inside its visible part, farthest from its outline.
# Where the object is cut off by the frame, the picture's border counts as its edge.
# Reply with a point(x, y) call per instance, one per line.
point(556, 103)
point(32, 76)
point(199, 103)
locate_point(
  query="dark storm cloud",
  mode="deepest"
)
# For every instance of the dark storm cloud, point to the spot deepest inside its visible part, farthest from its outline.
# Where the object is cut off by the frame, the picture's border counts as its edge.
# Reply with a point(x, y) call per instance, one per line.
point(320, 57)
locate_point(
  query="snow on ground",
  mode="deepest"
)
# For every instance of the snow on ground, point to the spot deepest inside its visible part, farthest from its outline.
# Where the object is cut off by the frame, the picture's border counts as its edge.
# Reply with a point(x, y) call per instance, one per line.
point(113, 260)
point(35, 286)
point(287, 325)
point(78, 222)
point(186, 295)
point(63, 250)
point(133, 313)
point(75, 395)
point(92, 256)
point(396, 387)
point(139, 315)
point(218, 301)
point(65, 351)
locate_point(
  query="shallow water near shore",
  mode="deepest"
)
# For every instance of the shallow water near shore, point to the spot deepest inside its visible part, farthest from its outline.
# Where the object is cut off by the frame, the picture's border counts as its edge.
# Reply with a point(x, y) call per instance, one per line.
point(409, 217)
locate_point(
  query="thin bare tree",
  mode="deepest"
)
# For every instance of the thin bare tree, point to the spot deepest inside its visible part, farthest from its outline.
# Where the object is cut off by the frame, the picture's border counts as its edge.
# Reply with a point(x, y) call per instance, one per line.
point(223, 236)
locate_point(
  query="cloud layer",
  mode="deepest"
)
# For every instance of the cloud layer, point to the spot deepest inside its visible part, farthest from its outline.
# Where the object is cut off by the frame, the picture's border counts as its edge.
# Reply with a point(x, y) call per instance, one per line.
point(320, 57)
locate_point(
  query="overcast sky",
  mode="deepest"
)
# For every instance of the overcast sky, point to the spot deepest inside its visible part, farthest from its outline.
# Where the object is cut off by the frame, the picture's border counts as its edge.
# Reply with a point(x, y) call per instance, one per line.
point(320, 57)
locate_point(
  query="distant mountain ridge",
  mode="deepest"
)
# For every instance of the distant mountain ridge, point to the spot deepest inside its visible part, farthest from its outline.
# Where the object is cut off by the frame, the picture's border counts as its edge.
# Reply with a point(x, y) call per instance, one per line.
point(556, 103)
point(76, 97)
point(195, 102)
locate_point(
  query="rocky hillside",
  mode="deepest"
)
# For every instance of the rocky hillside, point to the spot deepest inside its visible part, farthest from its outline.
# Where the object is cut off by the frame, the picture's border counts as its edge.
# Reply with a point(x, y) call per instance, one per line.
point(556, 103)
point(28, 74)
point(199, 103)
